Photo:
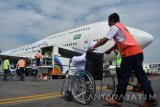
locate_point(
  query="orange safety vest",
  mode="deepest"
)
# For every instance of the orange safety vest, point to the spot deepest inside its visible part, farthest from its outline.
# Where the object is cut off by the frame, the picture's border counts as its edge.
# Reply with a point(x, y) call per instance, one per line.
point(21, 63)
point(38, 55)
point(129, 46)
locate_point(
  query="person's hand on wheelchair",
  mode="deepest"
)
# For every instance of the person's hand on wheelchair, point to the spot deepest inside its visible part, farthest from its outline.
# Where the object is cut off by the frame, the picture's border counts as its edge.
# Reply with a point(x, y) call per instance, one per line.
point(107, 52)
point(91, 49)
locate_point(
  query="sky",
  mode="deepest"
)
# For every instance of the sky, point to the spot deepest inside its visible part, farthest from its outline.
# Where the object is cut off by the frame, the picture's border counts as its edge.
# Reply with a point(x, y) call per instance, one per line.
point(23, 22)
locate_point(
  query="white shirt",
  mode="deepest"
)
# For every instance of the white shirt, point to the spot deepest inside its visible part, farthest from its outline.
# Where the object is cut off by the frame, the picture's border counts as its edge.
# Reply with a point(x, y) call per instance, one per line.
point(115, 33)
point(79, 62)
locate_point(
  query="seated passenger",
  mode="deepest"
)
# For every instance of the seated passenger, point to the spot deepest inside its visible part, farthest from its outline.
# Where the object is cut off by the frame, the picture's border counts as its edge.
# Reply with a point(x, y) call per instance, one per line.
point(34, 71)
point(79, 61)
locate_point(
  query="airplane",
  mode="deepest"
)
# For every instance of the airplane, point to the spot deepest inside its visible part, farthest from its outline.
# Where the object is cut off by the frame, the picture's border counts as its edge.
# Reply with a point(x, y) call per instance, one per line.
point(77, 39)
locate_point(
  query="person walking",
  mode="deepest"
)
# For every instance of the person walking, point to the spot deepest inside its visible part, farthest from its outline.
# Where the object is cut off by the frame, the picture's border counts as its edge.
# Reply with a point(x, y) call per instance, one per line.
point(21, 68)
point(6, 68)
point(146, 71)
point(132, 58)
point(38, 58)
point(118, 60)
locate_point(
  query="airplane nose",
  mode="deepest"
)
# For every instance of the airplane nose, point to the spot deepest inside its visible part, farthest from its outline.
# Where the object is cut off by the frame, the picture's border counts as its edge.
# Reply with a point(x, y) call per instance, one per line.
point(142, 37)
point(147, 38)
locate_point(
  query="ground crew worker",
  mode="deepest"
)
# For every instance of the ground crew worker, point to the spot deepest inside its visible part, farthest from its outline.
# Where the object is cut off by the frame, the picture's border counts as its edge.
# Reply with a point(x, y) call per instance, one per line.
point(38, 58)
point(21, 68)
point(6, 68)
point(146, 70)
point(118, 60)
point(132, 58)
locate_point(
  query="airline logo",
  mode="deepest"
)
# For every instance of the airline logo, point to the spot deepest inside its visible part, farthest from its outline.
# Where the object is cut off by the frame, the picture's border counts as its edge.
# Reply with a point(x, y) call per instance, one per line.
point(58, 67)
point(77, 36)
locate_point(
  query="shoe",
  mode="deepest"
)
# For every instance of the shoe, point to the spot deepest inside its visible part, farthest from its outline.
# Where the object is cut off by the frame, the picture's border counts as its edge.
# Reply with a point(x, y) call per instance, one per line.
point(5, 79)
point(137, 89)
point(112, 102)
point(148, 104)
point(140, 91)
point(22, 80)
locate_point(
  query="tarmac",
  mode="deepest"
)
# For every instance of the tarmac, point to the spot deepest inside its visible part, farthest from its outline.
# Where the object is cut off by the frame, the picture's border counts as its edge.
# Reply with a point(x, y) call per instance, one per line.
point(15, 93)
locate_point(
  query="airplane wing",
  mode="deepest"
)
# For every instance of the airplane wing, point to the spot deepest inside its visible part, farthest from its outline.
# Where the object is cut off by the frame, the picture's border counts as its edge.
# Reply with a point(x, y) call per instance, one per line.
point(64, 51)
point(13, 59)
point(68, 53)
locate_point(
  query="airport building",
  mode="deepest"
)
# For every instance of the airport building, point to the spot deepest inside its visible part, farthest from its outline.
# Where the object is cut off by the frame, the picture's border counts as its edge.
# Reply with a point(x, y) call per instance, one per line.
point(153, 68)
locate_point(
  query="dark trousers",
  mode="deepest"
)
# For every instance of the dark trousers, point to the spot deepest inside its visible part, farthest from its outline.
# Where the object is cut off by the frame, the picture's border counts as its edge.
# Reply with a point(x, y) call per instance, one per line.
point(6, 71)
point(132, 76)
point(129, 64)
point(38, 62)
point(21, 71)
point(118, 72)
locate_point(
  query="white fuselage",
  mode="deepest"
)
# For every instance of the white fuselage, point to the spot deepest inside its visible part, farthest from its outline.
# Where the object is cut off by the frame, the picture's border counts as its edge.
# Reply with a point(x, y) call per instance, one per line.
point(79, 38)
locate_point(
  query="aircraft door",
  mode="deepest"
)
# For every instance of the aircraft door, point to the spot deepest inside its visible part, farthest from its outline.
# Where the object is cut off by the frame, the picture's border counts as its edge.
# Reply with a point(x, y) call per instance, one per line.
point(47, 54)
point(86, 40)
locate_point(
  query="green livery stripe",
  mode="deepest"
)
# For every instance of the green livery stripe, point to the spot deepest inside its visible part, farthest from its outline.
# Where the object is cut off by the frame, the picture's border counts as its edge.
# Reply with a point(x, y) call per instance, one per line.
point(58, 69)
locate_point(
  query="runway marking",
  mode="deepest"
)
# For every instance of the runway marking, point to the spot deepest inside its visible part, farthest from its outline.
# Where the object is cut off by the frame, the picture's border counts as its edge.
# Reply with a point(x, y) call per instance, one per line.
point(28, 98)
point(32, 98)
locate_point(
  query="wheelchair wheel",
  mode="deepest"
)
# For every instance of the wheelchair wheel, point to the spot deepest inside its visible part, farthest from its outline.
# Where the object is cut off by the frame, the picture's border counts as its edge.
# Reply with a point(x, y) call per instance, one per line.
point(83, 89)
point(64, 85)
point(67, 85)
point(108, 85)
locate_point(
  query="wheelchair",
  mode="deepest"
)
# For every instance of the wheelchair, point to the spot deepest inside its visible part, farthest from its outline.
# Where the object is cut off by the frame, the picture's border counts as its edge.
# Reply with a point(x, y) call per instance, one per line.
point(83, 86)
point(33, 74)
point(12, 74)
